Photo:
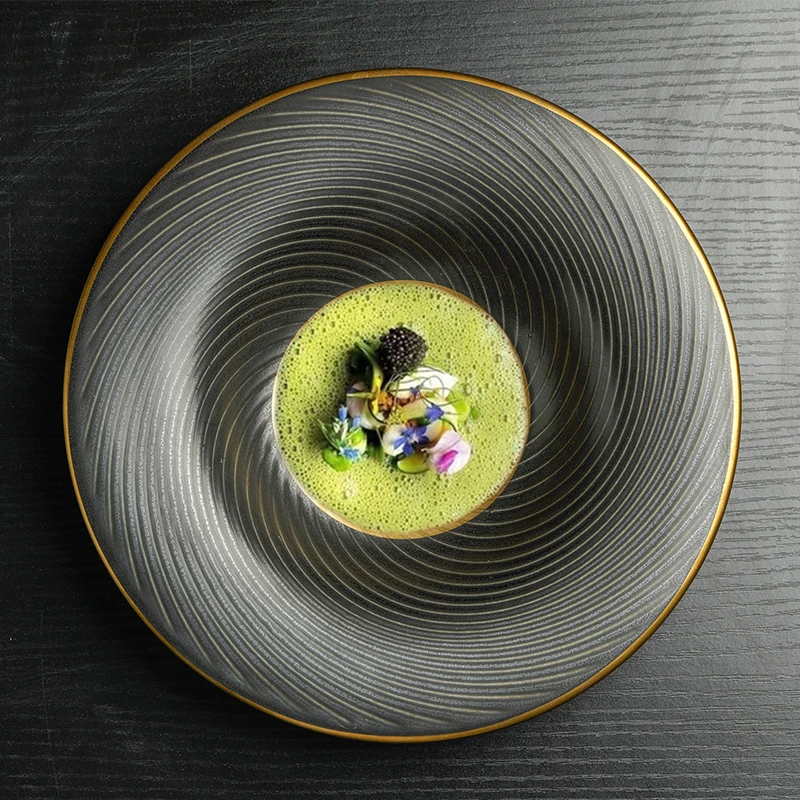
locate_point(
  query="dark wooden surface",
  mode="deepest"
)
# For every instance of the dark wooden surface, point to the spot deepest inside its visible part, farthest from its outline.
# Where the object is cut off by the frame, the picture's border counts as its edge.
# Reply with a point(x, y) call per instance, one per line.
point(96, 97)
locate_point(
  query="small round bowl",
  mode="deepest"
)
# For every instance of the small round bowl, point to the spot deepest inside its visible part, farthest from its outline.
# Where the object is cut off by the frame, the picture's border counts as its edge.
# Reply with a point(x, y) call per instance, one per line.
point(402, 175)
point(463, 341)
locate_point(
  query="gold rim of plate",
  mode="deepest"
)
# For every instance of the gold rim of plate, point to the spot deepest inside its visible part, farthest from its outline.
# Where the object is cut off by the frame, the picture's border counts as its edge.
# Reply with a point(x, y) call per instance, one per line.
point(473, 512)
point(659, 192)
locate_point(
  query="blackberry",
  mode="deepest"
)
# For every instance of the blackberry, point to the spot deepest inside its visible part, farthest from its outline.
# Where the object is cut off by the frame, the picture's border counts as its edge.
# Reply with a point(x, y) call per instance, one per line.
point(400, 351)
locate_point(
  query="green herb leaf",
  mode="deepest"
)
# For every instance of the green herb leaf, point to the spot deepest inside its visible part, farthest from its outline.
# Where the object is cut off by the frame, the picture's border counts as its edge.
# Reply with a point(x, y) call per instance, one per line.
point(377, 372)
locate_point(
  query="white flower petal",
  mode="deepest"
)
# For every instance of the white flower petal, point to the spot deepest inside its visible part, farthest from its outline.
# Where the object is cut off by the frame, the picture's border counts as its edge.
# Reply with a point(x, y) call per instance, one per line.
point(390, 435)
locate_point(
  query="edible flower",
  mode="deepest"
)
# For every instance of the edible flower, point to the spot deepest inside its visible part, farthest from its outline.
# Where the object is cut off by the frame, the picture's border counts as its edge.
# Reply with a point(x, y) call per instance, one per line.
point(450, 454)
point(346, 440)
point(433, 413)
point(410, 438)
point(400, 439)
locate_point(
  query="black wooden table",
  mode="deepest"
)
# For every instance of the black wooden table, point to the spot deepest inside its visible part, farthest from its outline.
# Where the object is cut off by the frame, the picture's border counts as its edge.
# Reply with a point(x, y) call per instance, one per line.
point(97, 96)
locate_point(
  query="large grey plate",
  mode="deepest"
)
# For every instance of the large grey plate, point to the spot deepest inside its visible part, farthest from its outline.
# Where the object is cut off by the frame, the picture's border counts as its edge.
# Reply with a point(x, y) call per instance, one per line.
point(568, 244)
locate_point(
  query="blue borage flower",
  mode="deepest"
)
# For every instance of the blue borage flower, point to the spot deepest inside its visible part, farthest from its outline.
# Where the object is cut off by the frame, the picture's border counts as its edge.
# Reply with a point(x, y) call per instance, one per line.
point(410, 438)
point(346, 440)
point(433, 413)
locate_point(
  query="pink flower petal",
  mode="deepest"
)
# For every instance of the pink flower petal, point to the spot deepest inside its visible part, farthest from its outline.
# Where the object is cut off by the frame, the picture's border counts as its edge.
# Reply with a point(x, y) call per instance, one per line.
point(445, 460)
point(450, 453)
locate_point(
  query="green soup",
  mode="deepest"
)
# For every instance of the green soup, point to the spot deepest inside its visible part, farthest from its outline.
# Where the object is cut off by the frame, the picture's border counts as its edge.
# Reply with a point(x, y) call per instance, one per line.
point(464, 341)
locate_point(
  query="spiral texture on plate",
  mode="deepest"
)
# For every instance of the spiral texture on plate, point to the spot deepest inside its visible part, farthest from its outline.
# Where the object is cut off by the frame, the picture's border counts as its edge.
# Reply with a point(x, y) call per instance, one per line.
point(632, 380)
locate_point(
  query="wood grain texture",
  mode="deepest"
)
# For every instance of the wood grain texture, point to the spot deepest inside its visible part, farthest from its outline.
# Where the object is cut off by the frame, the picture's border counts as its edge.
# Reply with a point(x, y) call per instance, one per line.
point(96, 97)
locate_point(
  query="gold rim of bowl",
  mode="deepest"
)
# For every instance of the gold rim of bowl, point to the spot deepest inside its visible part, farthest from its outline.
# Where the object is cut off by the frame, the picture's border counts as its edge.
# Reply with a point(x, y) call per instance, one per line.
point(732, 353)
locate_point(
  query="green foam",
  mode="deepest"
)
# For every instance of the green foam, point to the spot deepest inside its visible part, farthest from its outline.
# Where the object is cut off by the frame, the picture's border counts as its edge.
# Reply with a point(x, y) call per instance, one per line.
point(462, 340)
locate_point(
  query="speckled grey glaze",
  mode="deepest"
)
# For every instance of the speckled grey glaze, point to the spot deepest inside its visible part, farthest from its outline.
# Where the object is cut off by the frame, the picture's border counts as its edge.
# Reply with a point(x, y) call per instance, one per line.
point(613, 311)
